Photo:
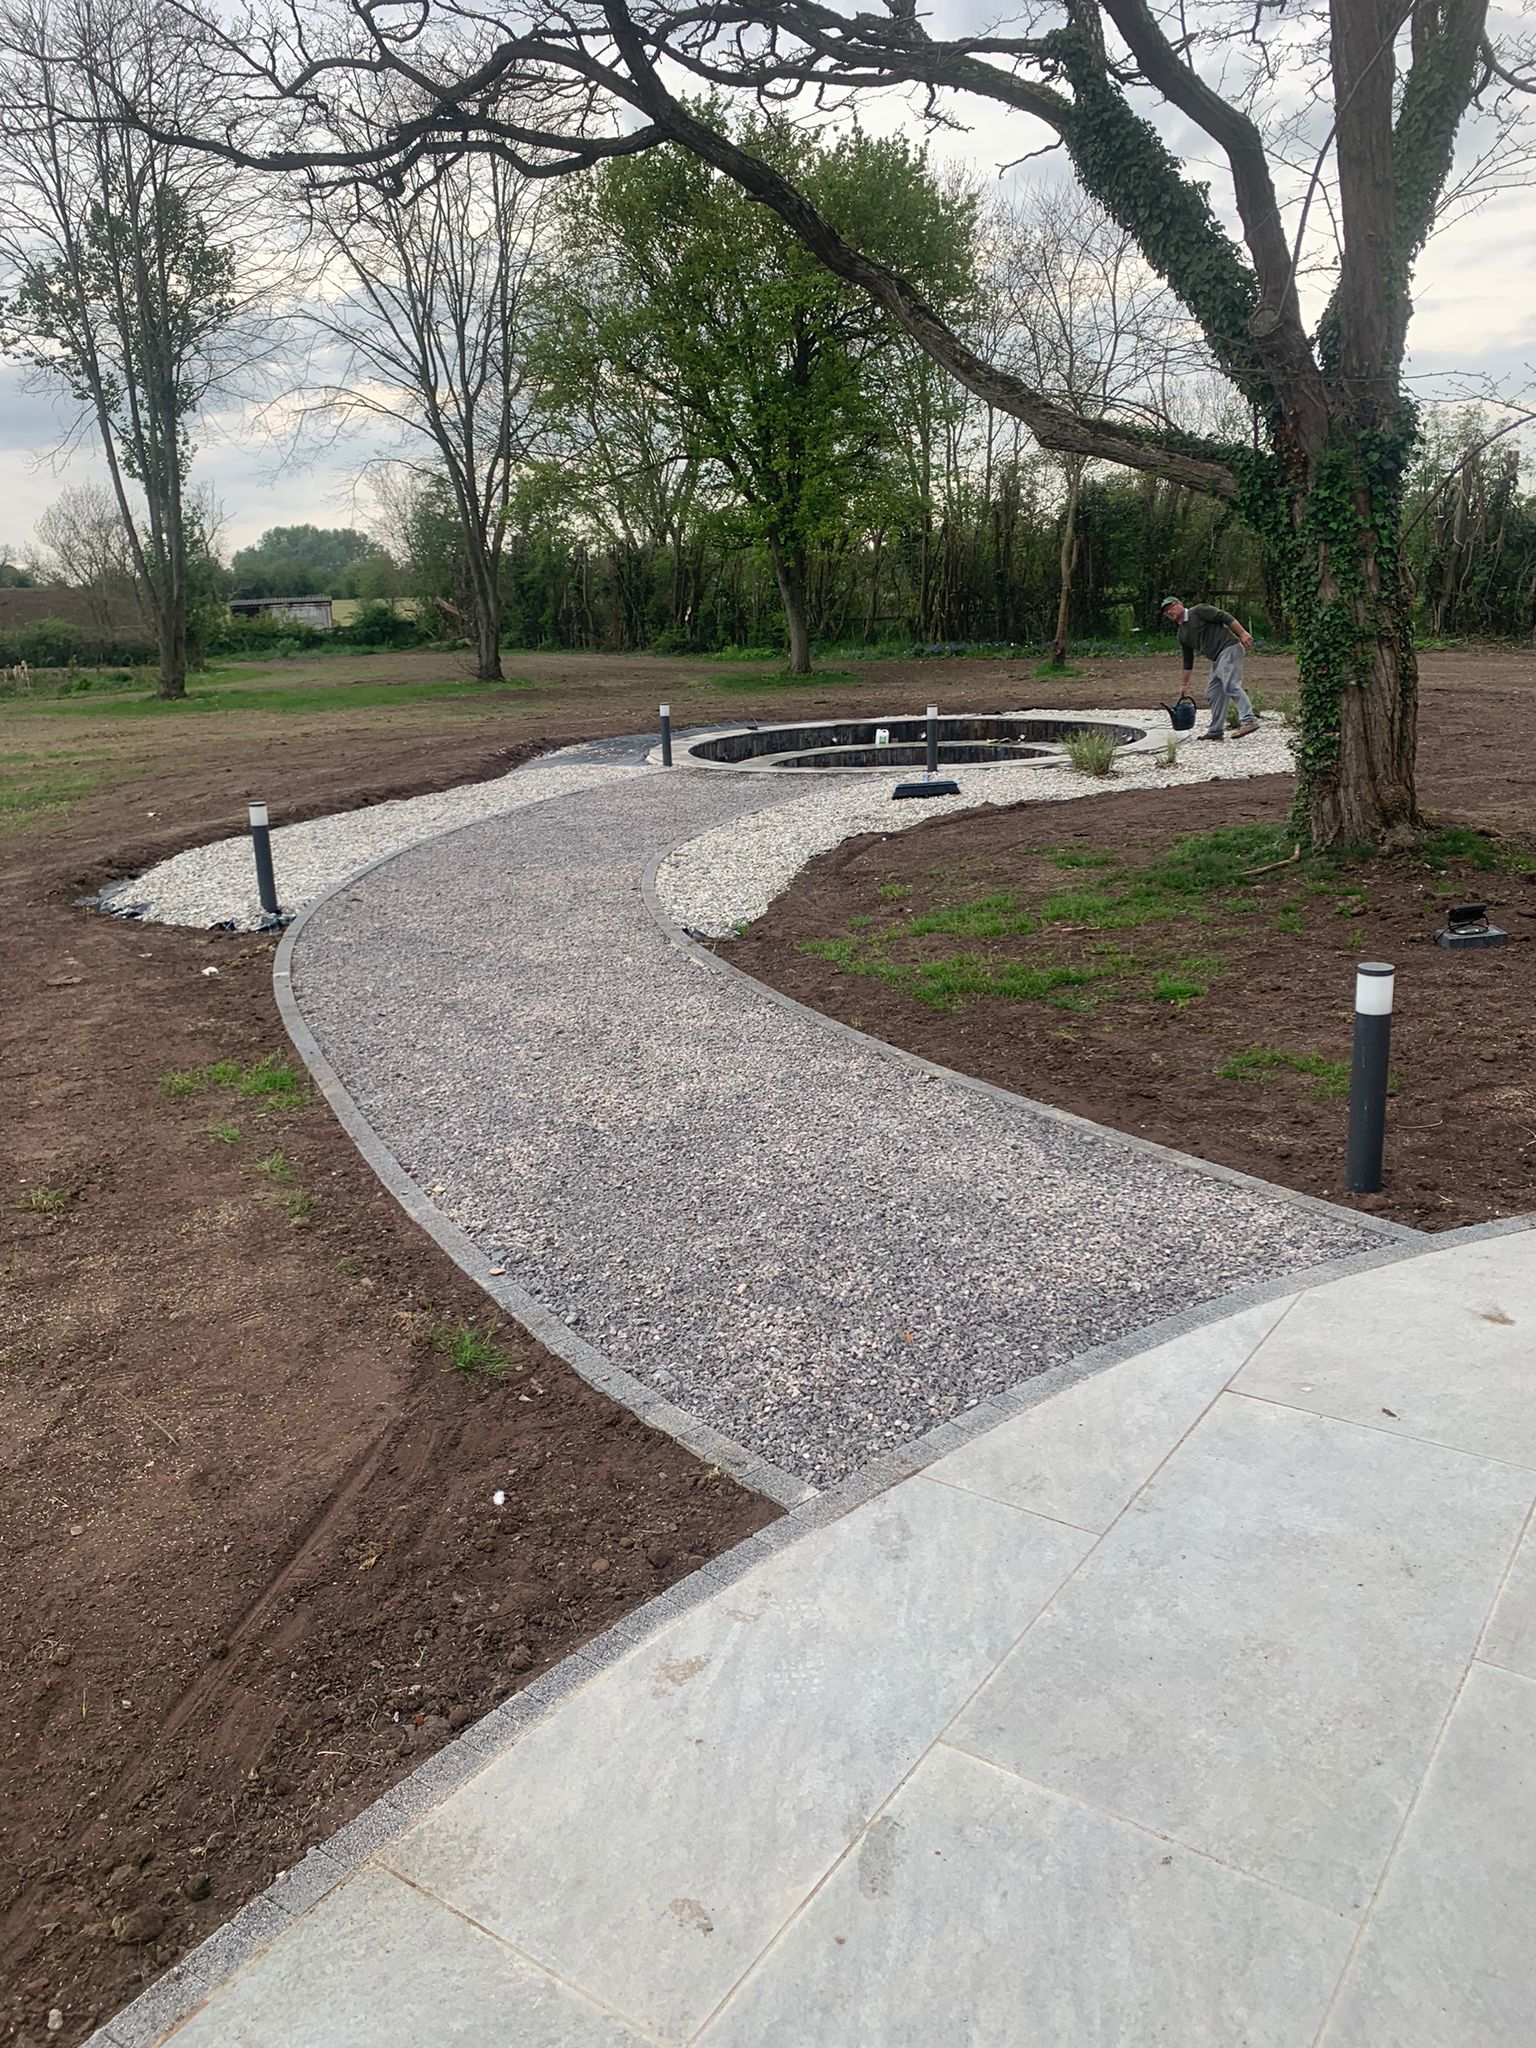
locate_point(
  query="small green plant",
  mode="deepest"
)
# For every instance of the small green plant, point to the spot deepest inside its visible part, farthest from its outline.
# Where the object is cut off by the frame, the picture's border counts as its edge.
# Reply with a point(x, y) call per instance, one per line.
point(299, 1208)
point(223, 1074)
point(986, 917)
point(228, 1134)
point(45, 1201)
point(277, 1166)
point(273, 1081)
point(893, 891)
point(1180, 989)
point(1091, 753)
point(472, 1353)
point(179, 1086)
point(1170, 754)
point(1291, 919)
point(1083, 857)
point(1330, 1078)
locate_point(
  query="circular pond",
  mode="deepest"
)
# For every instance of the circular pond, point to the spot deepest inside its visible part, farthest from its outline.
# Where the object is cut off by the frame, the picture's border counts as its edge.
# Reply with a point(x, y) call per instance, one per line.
point(877, 745)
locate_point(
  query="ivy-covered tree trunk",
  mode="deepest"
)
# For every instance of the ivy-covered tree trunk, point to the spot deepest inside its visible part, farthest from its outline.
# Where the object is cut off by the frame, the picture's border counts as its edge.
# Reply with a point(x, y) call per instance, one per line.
point(1338, 544)
point(789, 574)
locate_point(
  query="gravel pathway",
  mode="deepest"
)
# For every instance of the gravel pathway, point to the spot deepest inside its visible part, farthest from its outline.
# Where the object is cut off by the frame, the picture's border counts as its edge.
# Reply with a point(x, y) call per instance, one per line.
point(216, 885)
point(728, 877)
point(817, 1248)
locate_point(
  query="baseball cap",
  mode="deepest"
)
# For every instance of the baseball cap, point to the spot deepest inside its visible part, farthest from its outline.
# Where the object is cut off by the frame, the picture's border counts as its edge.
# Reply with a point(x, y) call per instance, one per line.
point(1164, 604)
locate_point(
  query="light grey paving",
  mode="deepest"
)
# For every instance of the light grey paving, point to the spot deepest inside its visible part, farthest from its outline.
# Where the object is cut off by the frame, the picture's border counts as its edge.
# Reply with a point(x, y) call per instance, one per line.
point(650, 1840)
point(818, 1250)
point(981, 1912)
point(1443, 1347)
point(1259, 1654)
point(1510, 1638)
point(1082, 1454)
point(379, 1966)
point(1449, 1957)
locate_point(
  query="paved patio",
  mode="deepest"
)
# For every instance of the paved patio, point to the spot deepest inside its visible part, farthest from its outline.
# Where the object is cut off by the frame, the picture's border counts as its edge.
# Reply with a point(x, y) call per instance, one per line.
point(1194, 1705)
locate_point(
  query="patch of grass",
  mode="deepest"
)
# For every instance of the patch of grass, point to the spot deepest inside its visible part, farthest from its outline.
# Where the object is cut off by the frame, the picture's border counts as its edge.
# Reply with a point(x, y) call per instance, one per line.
point(277, 1166)
point(472, 1353)
point(1091, 753)
point(218, 697)
point(856, 924)
point(1052, 667)
point(893, 892)
point(1461, 843)
point(298, 1208)
point(1330, 1078)
point(987, 917)
point(229, 1134)
point(1185, 981)
point(45, 1201)
point(1353, 903)
point(180, 1085)
point(1291, 919)
point(273, 1082)
point(223, 1074)
point(841, 952)
point(944, 984)
point(1083, 857)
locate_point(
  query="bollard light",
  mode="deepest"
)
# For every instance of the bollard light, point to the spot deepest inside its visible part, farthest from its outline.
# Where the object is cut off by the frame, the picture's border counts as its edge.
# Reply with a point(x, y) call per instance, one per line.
point(1368, 1076)
point(261, 846)
point(666, 735)
point(933, 739)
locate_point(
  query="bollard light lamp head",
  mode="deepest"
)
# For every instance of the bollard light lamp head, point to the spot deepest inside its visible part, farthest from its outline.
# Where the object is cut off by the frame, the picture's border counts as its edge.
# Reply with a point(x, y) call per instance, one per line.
point(1373, 988)
point(258, 814)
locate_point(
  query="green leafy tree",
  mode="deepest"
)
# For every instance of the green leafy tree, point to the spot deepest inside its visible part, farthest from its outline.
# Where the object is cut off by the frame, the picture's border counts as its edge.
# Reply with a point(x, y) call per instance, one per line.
point(123, 291)
point(300, 561)
point(776, 372)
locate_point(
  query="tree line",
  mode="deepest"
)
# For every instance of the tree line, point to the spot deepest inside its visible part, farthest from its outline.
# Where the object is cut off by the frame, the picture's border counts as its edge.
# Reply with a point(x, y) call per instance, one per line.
point(688, 334)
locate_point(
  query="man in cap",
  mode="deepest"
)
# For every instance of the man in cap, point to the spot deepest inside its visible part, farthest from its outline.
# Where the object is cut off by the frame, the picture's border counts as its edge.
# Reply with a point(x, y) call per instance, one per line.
point(1205, 629)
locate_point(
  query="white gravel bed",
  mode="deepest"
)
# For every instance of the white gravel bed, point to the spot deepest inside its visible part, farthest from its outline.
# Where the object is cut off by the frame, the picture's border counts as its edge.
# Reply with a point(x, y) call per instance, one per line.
point(216, 885)
point(728, 877)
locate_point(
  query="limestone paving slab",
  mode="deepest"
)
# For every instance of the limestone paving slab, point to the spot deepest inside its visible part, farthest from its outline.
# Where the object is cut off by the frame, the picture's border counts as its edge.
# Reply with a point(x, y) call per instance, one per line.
point(1510, 1637)
point(978, 1911)
point(1443, 1348)
point(1257, 1658)
point(1449, 1957)
point(816, 1248)
point(1082, 1455)
point(650, 1840)
point(382, 1966)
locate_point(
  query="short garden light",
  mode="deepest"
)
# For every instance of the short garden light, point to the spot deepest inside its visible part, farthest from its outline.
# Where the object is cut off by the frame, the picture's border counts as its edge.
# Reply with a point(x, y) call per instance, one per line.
point(261, 846)
point(1368, 1076)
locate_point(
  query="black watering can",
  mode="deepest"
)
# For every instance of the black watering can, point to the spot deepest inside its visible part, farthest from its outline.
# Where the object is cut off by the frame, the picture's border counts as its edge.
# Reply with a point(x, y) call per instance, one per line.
point(1181, 716)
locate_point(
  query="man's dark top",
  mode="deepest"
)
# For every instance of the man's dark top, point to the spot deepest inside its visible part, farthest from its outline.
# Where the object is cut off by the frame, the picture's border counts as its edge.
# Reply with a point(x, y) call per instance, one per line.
point(1204, 629)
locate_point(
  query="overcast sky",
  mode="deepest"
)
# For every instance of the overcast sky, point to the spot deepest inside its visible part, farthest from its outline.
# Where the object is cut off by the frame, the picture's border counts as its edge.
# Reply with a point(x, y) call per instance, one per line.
point(1475, 312)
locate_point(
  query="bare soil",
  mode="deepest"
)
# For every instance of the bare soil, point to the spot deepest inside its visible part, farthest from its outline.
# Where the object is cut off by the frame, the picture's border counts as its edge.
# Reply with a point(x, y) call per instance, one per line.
point(1262, 969)
point(251, 1570)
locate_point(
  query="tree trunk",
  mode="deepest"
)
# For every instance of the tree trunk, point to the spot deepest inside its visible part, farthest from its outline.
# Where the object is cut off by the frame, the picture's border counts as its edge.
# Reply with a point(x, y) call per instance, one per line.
point(1067, 562)
point(486, 593)
point(1354, 642)
point(789, 574)
point(171, 640)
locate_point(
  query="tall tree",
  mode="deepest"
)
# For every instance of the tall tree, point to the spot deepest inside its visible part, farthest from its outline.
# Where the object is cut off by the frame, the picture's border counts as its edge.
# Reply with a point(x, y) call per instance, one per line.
point(424, 307)
point(773, 366)
point(122, 281)
point(1385, 86)
point(1090, 324)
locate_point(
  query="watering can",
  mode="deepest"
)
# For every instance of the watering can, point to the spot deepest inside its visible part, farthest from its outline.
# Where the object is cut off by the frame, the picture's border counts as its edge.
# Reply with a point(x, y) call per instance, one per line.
point(1181, 715)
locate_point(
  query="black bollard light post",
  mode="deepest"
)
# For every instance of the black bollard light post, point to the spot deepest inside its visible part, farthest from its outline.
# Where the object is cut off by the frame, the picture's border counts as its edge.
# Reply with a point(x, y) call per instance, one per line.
point(933, 739)
point(261, 846)
point(1368, 1076)
point(666, 735)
